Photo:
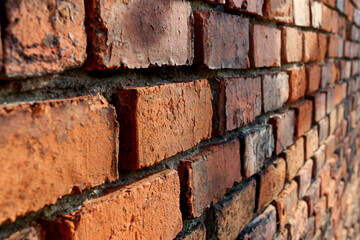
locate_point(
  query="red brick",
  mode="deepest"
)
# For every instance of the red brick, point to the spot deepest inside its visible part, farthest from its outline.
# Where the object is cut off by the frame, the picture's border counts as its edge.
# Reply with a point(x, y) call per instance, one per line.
point(312, 196)
point(345, 67)
point(325, 176)
point(340, 5)
point(320, 213)
point(319, 159)
point(261, 54)
point(314, 46)
point(331, 3)
point(316, 13)
point(234, 212)
point(275, 91)
point(286, 203)
point(297, 83)
point(349, 10)
point(322, 43)
point(221, 40)
point(301, 12)
point(335, 72)
point(330, 194)
point(330, 100)
point(253, 7)
point(284, 129)
point(282, 235)
point(119, 38)
point(149, 208)
point(297, 224)
point(304, 177)
point(295, 158)
point(325, 75)
point(292, 45)
point(329, 20)
point(303, 111)
point(208, 175)
point(262, 227)
point(29, 233)
point(330, 146)
point(239, 102)
point(158, 122)
point(336, 45)
point(348, 49)
point(319, 106)
point(57, 40)
point(258, 145)
point(354, 69)
point(281, 11)
point(46, 137)
point(323, 129)
point(311, 142)
point(332, 121)
point(271, 182)
point(340, 92)
point(313, 74)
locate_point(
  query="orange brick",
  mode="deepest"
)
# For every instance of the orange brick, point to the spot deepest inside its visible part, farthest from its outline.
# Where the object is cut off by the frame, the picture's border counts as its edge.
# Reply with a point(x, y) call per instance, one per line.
point(336, 45)
point(301, 12)
point(304, 177)
point(29, 233)
point(292, 42)
point(303, 111)
point(294, 157)
point(149, 208)
point(311, 142)
point(279, 11)
point(46, 137)
point(208, 175)
point(158, 122)
point(252, 7)
point(313, 74)
point(297, 82)
point(312, 196)
point(297, 224)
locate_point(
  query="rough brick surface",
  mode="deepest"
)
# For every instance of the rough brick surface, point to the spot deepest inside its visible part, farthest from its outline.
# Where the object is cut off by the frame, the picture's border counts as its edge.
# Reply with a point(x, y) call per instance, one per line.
point(311, 142)
point(304, 110)
point(261, 54)
point(311, 46)
point(292, 45)
point(313, 75)
point(47, 137)
point(158, 122)
point(29, 233)
point(221, 40)
point(323, 129)
point(208, 175)
point(275, 91)
point(297, 224)
point(257, 146)
point(304, 177)
point(301, 12)
point(312, 196)
point(319, 159)
point(239, 102)
point(319, 106)
point(234, 212)
point(57, 40)
point(136, 34)
point(281, 11)
point(271, 182)
point(149, 208)
point(297, 82)
point(252, 7)
point(336, 45)
point(294, 157)
point(284, 129)
point(197, 233)
point(316, 14)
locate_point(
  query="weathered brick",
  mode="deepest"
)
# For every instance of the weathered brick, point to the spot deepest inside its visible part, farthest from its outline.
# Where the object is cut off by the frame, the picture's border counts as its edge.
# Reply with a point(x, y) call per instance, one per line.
point(340, 5)
point(282, 235)
point(281, 11)
point(330, 20)
point(322, 43)
point(292, 45)
point(262, 227)
point(294, 157)
point(335, 72)
point(301, 12)
point(319, 159)
point(239, 102)
point(330, 100)
point(316, 13)
point(208, 175)
point(311, 46)
point(323, 129)
point(336, 45)
point(325, 75)
point(234, 212)
point(330, 144)
point(136, 34)
point(46, 137)
point(330, 193)
point(319, 106)
point(349, 10)
point(345, 69)
point(198, 232)
point(149, 208)
point(320, 213)
point(252, 7)
point(57, 40)
point(309, 229)
point(221, 40)
point(297, 224)
point(297, 83)
point(271, 182)
point(332, 121)
point(158, 122)
point(283, 129)
point(325, 176)
point(312, 196)
point(311, 142)
point(261, 54)
point(304, 177)
point(29, 233)
point(257, 145)
point(286, 203)
point(304, 110)
point(313, 74)
point(275, 91)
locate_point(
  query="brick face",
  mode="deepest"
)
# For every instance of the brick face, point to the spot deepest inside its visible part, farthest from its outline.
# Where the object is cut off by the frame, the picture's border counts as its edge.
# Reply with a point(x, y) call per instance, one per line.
point(146, 124)
point(46, 137)
point(281, 11)
point(119, 37)
point(292, 45)
point(294, 157)
point(301, 12)
point(275, 91)
point(297, 83)
point(220, 42)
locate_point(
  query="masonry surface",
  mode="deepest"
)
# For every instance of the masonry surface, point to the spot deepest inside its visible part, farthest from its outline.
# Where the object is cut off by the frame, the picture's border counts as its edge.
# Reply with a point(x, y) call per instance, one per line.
point(179, 119)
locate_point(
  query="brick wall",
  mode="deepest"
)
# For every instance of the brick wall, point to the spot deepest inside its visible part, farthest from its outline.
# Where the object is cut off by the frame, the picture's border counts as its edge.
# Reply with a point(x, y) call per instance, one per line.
point(175, 119)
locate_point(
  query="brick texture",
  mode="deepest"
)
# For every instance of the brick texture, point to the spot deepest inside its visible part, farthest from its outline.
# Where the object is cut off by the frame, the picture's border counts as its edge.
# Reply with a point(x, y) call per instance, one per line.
point(281, 11)
point(275, 91)
point(292, 45)
point(297, 82)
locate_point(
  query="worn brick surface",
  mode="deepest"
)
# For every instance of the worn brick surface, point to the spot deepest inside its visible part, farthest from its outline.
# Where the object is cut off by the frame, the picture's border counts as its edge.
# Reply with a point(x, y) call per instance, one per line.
point(262, 227)
point(136, 34)
point(221, 40)
point(320, 213)
point(319, 106)
point(281, 11)
point(304, 177)
point(323, 129)
point(196, 233)
point(294, 157)
point(57, 40)
point(304, 110)
point(283, 129)
point(208, 175)
point(330, 146)
point(149, 208)
point(312, 196)
point(313, 75)
point(261, 54)
point(286, 203)
point(275, 91)
point(158, 122)
point(252, 7)
point(47, 137)
point(297, 82)
point(330, 100)
point(319, 159)
point(29, 233)
point(301, 12)
point(234, 212)
point(311, 46)
point(316, 14)
point(311, 142)
point(257, 146)
point(271, 182)
point(297, 224)
point(239, 102)
point(292, 45)
point(336, 45)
